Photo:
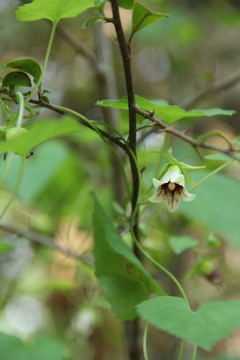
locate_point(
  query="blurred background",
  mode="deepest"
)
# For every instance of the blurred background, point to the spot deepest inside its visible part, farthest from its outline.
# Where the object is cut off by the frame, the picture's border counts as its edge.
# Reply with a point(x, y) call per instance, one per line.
point(51, 306)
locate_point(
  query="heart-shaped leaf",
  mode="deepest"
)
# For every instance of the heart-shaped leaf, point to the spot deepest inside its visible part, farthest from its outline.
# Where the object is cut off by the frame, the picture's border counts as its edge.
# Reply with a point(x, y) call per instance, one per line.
point(26, 65)
point(143, 17)
point(122, 277)
point(53, 10)
point(212, 322)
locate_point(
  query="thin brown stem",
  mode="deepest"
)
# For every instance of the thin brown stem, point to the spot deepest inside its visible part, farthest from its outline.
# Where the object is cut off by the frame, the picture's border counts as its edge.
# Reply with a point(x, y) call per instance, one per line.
point(126, 59)
point(46, 105)
point(182, 135)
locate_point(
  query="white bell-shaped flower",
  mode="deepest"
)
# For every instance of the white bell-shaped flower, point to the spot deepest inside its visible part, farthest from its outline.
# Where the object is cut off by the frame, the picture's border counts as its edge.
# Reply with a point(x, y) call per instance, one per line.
point(171, 187)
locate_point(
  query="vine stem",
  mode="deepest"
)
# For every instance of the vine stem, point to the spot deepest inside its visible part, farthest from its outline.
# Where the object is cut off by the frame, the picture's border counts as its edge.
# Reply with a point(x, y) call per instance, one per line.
point(180, 356)
point(44, 64)
point(159, 266)
point(15, 190)
point(145, 341)
point(20, 98)
point(221, 167)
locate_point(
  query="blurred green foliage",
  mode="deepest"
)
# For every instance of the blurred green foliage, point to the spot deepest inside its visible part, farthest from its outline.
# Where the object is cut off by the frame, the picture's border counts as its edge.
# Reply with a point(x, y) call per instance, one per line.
point(174, 59)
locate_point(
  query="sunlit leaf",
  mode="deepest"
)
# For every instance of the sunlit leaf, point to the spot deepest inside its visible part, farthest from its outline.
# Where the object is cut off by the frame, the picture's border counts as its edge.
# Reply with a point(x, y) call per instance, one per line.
point(53, 10)
point(168, 113)
point(142, 17)
point(212, 322)
point(25, 65)
point(122, 276)
point(42, 131)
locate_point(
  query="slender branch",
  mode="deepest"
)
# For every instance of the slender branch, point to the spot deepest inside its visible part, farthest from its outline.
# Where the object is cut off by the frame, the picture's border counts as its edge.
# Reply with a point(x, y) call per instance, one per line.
point(182, 135)
point(126, 59)
point(56, 109)
point(46, 241)
point(132, 328)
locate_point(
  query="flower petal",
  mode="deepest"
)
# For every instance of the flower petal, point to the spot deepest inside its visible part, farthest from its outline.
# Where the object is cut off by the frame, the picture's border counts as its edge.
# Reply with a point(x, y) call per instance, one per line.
point(158, 196)
point(157, 183)
point(173, 172)
point(172, 202)
point(186, 196)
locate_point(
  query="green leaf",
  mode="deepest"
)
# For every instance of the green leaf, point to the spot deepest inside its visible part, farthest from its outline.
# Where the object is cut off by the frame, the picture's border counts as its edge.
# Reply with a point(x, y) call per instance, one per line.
point(94, 18)
point(169, 113)
point(38, 170)
point(26, 65)
point(220, 157)
point(211, 323)
point(181, 243)
point(42, 131)
point(53, 10)
point(122, 277)
point(40, 348)
point(16, 78)
point(211, 112)
point(216, 206)
point(143, 17)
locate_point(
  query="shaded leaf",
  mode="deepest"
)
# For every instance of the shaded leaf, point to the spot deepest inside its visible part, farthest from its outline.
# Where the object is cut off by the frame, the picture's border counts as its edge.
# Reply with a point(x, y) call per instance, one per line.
point(16, 78)
point(40, 348)
point(26, 65)
point(42, 131)
point(211, 323)
point(169, 113)
point(122, 276)
point(53, 10)
point(216, 206)
point(181, 243)
point(143, 17)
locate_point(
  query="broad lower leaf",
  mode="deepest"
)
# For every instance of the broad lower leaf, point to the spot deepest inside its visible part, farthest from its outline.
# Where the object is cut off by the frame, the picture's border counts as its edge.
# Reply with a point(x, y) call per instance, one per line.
point(168, 113)
point(181, 243)
point(25, 65)
point(216, 206)
point(122, 277)
point(42, 131)
point(53, 10)
point(16, 78)
point(42, 347)
point(211, 323)
point(143, 17)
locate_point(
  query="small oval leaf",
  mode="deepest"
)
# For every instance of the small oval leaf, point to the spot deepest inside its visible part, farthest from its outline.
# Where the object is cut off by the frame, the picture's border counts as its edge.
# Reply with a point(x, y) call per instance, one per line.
point(25, 65)
point(16, 78)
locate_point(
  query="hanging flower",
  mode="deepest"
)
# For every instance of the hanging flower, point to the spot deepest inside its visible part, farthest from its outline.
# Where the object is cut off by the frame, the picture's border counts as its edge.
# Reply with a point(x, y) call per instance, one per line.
point(171, 187)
